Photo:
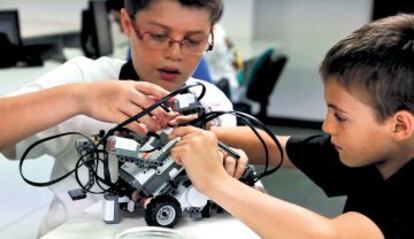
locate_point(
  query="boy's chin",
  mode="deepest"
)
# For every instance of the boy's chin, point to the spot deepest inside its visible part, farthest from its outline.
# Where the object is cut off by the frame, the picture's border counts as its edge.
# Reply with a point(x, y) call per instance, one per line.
point(352, 163)
point(171, 85)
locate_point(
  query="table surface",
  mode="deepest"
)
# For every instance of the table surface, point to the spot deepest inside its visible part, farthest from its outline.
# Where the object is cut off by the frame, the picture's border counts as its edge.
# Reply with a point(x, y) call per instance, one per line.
point(89, 225)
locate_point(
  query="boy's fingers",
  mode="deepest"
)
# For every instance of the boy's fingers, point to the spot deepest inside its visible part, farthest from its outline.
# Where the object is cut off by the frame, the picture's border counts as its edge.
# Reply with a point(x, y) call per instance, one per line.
point(144, 101)
point(151, 123)
point(240, 167)
point(182, 119)
point(148, 120)
point(151, 89)
point(182, 131)
point(229, 164)
point(241, 163)
point(134, 126)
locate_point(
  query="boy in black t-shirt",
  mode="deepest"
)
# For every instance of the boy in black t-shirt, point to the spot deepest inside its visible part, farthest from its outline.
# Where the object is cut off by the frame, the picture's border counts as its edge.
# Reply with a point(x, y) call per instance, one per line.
point(366, 155)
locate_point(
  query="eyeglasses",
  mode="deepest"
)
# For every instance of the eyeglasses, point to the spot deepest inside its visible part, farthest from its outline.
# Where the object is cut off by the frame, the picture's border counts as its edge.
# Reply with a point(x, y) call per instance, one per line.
point(161, 42)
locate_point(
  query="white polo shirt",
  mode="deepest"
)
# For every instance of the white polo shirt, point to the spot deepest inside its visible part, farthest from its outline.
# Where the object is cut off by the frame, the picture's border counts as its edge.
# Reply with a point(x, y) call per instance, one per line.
point(83, 70)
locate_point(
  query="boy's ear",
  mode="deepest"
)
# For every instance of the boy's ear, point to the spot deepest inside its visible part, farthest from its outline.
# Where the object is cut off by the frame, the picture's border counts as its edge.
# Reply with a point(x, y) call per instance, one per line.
point(403, 123)
point(125, 22)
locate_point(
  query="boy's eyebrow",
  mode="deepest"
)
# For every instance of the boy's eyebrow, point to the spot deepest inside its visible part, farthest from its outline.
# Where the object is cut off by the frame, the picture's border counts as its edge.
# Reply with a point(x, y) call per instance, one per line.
point(335, 108)
point(169, 28)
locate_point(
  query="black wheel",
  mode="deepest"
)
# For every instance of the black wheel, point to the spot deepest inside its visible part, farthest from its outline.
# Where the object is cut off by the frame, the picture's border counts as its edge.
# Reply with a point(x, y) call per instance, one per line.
point(163, 211)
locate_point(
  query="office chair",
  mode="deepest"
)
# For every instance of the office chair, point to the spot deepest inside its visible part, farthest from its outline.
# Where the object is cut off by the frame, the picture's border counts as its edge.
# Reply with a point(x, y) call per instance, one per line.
point(11, 43)
point(96, 35)
point(9, 58)
point(260, 76)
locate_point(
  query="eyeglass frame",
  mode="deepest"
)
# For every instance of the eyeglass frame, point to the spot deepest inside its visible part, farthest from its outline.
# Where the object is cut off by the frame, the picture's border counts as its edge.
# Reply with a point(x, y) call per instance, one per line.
point(171, 41)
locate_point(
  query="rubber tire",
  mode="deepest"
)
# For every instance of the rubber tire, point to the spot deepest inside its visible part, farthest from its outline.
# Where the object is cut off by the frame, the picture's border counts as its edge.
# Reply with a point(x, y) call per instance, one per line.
point(158, 203)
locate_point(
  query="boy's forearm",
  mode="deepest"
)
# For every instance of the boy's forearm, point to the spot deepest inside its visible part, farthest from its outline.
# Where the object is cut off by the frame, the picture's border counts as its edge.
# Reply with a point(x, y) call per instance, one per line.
point(270, 217)
point(245, 139)
point(24, 115)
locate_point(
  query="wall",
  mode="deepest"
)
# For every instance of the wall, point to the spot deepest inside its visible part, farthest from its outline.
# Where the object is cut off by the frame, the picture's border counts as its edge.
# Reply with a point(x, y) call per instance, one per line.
point(238, 19)
point(46, 17)
point(302, 29)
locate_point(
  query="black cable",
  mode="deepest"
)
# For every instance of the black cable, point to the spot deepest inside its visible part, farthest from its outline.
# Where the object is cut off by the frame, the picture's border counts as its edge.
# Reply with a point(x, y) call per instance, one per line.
point(81, 162)
point(27, 151)
point(162, 101)
point(94, 159)
point(97, 178)
point(247, 119)
point(275, 140)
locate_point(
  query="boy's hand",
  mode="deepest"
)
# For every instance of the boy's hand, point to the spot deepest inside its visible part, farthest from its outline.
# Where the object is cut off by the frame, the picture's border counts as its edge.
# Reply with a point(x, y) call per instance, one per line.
point(116, 101)
point(198, 152)
point(235, 167)
point(182, 119)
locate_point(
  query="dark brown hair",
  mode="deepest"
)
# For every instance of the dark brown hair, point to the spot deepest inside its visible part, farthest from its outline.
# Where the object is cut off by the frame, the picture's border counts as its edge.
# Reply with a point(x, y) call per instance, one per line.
point(214, 6)
point(377, 62)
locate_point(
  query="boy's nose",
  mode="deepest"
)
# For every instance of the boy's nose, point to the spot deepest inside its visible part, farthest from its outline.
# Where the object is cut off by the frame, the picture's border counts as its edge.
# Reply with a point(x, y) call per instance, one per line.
point(174, 52)
point(324, 126)
point(327, 127)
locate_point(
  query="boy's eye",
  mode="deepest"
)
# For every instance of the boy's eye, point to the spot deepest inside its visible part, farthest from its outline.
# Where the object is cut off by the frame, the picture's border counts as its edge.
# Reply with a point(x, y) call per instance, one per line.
point(192, 42)
point(158, 37)
point(339, 118)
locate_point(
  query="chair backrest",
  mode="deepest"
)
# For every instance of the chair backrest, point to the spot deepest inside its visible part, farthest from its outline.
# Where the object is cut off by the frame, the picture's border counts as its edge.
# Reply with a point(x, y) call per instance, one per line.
point(96, 35)
point(264, 75)
point(10, 38)
point(9, 25)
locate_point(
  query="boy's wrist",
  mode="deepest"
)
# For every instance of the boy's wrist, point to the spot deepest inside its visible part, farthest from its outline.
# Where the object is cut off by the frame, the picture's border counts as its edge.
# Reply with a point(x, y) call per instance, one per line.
point(217, 184)
point(77, 98)
point(217, 132)
point(220, 190)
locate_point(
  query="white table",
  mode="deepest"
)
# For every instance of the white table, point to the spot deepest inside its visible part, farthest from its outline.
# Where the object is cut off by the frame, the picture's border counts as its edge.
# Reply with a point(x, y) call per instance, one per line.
point(89, 225)
point(14, 77)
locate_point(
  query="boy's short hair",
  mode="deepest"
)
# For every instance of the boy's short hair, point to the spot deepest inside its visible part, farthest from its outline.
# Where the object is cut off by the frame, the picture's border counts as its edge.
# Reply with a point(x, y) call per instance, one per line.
point(214, 6)
point(115, 5)
point(377, 62)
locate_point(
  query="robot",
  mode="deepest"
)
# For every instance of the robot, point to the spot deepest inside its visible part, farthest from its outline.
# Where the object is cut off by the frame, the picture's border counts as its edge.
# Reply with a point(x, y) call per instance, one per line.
point(150, 179)
point(146, 176)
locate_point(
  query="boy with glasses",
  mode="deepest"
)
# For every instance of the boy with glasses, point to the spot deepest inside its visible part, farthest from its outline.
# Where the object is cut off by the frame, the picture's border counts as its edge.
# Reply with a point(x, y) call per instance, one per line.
point(167, 38)
point(167, 47)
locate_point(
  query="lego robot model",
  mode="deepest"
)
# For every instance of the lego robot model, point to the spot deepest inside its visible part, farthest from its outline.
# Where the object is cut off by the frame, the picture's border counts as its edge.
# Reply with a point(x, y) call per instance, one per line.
point(151, 180)
point(146, 176)
point(160, 184)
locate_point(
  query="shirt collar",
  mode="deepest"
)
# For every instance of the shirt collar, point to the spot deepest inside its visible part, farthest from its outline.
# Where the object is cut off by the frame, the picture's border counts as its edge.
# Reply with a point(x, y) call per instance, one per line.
point(128, 72)
point(404, 173)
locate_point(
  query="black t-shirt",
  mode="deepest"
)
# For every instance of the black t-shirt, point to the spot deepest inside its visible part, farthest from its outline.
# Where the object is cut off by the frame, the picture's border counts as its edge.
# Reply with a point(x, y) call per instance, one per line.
point(389, 203)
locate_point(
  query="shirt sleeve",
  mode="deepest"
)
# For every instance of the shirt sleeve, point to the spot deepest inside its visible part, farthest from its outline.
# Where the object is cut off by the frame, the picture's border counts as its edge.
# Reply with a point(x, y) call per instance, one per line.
point(59, 76)
point(77, 70)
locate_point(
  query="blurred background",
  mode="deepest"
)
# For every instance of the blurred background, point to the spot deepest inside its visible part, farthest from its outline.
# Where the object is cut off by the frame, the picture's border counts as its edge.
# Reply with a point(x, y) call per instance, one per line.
point(42, 34)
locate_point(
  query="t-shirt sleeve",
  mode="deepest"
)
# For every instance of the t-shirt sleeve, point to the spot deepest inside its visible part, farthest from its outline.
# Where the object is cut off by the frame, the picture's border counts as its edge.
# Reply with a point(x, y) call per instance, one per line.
point(77, 70)
point(317, 158)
